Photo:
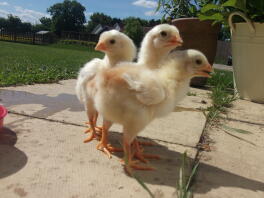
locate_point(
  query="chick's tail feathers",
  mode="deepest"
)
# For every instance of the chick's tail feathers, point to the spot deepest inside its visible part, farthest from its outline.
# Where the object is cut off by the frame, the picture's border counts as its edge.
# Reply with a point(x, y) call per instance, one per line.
point(86, 74)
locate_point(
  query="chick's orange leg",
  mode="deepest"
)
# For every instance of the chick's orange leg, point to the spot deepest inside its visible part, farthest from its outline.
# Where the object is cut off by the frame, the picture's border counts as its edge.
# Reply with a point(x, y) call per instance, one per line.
point(93, 132)
point(103, 144)
point(142, 156)
point(94, 120)
point(129, 163)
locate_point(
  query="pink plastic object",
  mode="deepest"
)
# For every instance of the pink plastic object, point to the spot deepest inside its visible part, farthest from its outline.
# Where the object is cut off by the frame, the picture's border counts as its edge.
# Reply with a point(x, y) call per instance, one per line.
point(3, 113)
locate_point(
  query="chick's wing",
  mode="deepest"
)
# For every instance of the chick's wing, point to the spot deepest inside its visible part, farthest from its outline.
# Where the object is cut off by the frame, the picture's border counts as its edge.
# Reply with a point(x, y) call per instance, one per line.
point(148, 90)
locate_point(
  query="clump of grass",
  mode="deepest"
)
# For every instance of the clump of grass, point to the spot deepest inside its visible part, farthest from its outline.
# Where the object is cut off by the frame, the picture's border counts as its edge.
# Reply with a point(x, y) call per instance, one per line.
point(185, 179)
point(191, 93)
point(221, 96)
point(184, 183)
point(221, 77)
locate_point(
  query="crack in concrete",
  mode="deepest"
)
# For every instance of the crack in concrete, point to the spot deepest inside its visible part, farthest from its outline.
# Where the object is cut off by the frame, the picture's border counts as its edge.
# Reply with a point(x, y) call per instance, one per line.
point(243, 121)
point(80, 125)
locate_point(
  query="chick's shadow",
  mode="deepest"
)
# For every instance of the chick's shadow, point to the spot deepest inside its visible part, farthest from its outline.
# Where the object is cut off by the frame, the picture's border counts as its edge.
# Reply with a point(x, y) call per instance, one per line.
point(167, 170)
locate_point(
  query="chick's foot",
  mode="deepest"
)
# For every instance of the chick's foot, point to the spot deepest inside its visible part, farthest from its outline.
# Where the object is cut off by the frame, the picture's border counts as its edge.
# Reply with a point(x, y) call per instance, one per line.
point(92, 136)
point(138, 153)
point(108, 149)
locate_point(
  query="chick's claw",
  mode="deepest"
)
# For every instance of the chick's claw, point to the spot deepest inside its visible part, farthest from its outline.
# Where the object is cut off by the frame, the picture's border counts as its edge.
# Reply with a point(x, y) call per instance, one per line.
point(108, 149)
point(97, 129)
point(134, 165)
point(93, 136)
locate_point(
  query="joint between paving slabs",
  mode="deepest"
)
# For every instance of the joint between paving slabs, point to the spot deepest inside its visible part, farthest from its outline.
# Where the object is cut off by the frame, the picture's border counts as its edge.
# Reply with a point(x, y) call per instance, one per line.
point(80, 125)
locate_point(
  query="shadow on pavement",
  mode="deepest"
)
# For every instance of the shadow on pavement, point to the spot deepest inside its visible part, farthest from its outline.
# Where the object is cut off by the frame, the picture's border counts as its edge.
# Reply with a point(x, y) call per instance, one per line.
point(167, 170)
point(11, 159)
point(51, 104)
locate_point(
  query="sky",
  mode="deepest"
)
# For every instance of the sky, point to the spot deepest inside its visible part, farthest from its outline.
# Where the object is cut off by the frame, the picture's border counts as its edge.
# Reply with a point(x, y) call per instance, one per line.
point(32, 10)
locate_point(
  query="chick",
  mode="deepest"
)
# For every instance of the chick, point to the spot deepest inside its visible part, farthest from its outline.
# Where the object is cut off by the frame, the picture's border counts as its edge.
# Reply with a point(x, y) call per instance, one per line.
point(156, 45)
point(134, 96)
point(117, 47)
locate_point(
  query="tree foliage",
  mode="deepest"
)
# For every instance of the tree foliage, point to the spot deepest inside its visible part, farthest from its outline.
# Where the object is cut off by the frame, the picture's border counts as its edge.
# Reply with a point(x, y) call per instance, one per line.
point(67, 16)
point(98, 18)
point(134, 29)
point(14, 24)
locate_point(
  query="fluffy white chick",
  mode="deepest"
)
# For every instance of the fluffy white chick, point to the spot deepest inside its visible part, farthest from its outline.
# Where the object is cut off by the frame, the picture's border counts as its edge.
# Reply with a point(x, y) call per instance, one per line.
point(134, 96)
point(156, 45)
point(117, 47)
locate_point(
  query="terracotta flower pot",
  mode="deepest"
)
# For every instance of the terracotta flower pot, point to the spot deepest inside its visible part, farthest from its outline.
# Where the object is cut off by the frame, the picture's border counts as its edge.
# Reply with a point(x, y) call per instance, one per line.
point(200, 35)
point(3, 113)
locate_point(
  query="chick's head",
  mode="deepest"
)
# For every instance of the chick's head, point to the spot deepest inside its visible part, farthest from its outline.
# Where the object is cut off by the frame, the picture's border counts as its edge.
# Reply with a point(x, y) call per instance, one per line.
point(165, 36)
point(115, 43)
point(191, 63)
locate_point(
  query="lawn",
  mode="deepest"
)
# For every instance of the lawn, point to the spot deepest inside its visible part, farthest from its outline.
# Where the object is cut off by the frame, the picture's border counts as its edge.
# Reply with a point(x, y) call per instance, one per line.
point(29, 64)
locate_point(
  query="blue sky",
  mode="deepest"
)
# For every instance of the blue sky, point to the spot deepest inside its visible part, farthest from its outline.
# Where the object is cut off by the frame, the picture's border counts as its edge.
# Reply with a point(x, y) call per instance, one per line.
point(32, 10)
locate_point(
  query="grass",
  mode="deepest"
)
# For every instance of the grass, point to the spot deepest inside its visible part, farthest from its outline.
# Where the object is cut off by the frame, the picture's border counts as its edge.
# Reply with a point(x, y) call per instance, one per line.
point(185, 179)
point(221, 77)
point(191, 94)
point(29, 64)
point(222, 94)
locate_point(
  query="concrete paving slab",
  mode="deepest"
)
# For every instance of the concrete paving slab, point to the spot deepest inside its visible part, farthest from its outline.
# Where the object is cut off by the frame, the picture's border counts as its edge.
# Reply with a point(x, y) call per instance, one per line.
point(247, 112)
point(48, 159)
point(239, 158)
point(58, 102)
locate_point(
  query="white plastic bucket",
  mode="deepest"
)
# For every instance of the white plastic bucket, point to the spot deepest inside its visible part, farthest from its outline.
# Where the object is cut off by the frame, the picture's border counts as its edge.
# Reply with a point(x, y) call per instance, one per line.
point(248, 58)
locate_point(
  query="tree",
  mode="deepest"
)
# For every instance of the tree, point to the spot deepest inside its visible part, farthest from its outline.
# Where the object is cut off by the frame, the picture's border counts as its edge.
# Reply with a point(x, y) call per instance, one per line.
point(3, 23)
point(98, 18)
point(46, 23)
point(67, 16)
point(14, 24)
point(134, 29)
point(25, 27)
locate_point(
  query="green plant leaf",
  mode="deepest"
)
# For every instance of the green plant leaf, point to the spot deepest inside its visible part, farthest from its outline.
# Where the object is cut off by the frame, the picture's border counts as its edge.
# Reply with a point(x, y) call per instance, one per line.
point(236, 130)
point(143, 185)
point(230, 3)
point(240, 4)
point(208, 7)
point(159, 5)
point(217, 17)
point(192, 174)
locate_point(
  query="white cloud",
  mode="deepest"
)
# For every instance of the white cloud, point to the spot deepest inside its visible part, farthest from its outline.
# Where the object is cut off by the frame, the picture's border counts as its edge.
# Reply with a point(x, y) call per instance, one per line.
point(3, 13)
point(145, 3)
point(151, 13)
point(88, 14)
point(28, 15)
point(4, 3)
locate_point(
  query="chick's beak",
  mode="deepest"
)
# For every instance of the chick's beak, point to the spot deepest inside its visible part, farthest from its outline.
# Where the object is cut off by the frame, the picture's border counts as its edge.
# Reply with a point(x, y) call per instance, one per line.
point(204, 71)
point(175, 41)
point(100, 47)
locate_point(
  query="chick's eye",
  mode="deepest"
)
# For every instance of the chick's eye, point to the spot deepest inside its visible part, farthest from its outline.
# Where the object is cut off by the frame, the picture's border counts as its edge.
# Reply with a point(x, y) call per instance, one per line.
point(112, 41)
point(198, 62)
point(163, 33)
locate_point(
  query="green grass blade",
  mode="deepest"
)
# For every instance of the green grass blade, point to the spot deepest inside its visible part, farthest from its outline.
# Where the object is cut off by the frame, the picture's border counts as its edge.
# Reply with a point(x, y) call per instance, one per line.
point(192, 175)
point(236, 130)
point(143, 185)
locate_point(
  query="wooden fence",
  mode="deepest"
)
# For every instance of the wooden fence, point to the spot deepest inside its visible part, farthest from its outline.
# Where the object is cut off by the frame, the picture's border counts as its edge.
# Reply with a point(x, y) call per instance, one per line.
point(28, 37)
